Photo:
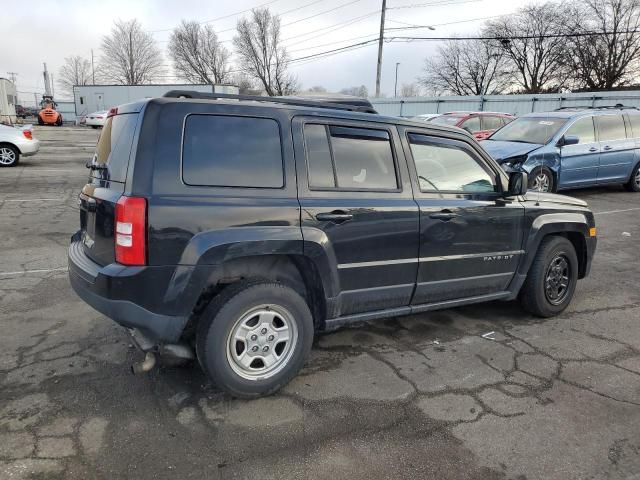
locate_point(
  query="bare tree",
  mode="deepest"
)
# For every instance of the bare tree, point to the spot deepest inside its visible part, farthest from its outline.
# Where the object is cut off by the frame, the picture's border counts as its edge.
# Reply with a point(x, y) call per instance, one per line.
point(467, 67)
point(360, 91)
point(317, 89)
point(130, 55)
point(531, 42)
point(261, 53)
point(611, 56)
point(244, 83)
point(409, 90)
point(197, 54)
point(75, 71)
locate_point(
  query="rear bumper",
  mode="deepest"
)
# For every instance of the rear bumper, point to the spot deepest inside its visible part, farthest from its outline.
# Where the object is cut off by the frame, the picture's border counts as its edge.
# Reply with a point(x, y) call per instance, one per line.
point(29, 147)
point(103, 287)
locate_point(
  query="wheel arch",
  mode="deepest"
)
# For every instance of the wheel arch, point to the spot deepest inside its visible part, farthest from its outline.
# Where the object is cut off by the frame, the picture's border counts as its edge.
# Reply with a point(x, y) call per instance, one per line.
point(9, 144)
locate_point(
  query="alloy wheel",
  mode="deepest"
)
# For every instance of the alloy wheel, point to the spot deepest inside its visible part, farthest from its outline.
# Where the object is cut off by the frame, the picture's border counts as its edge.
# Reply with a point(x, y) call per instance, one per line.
point(637, 178)
point(541, 182)
point(557, 278)
point(7, 156)
point(261, 342)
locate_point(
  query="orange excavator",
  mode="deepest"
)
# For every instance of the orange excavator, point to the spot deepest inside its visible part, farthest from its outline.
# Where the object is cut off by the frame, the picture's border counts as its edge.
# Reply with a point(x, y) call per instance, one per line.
point(48, 115)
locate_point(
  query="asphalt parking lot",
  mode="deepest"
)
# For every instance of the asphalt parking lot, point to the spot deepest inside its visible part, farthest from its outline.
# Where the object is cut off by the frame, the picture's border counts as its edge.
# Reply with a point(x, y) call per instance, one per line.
point(482, 392)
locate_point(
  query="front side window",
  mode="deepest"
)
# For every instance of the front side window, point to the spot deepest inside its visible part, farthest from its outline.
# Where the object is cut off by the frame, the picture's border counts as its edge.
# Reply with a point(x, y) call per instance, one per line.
point(349, 158)
point(583, 129)
point(537, 130)
point(447, 168)
point(227, 151)
point(610, 127)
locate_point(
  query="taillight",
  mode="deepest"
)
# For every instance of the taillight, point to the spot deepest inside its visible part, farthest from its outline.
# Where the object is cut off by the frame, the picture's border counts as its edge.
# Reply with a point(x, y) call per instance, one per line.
point(28, 135)
point(113, 112)
point(131, 231)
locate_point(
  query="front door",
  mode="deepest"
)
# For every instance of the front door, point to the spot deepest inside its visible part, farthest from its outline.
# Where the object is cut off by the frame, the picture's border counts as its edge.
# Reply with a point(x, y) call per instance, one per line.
point(355, 194)
point(579, 162)
point(617, 152)
point(470, 236)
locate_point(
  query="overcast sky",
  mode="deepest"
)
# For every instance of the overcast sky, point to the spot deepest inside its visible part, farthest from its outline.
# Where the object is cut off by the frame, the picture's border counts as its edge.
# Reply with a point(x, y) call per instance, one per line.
point(48, 31)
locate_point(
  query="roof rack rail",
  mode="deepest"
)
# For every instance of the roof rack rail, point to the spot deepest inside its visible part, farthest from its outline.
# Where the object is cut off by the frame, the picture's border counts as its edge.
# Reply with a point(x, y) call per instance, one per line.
point(343, 103)
point(617, 106)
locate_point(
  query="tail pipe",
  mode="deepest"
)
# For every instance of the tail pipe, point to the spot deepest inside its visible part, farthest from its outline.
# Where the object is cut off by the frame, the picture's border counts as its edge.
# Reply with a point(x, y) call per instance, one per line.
point(146, 365)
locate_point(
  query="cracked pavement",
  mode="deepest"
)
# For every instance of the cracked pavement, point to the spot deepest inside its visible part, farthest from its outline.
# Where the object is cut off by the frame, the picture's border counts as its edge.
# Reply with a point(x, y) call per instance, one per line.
point(425, 396)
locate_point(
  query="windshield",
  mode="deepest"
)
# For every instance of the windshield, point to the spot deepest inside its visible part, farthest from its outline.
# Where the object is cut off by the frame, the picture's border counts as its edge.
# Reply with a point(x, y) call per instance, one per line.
point(447, 119)
point(530, 130)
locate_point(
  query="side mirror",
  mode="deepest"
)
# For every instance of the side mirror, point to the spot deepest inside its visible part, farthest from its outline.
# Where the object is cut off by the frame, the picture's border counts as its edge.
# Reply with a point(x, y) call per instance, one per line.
point(568, 140)
point(518, 184)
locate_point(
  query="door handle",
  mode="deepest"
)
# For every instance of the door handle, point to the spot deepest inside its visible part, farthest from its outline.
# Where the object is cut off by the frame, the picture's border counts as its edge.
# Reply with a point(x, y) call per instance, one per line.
point(445, 216)
point(335, 217)
point(607, 147)
point(593, 149)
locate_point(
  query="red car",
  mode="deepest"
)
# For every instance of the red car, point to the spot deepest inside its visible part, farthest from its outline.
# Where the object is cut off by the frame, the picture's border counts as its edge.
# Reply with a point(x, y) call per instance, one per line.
point(479, 124)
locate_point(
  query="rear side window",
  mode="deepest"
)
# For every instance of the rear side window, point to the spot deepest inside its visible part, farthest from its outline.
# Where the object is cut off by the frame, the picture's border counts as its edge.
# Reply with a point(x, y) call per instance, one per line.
point(635, 125)
point(114, 146)
point(610, 127)
point(583, 129)
point(227, 151)
point(472, 124)
point(349, 158)
point(491, 123)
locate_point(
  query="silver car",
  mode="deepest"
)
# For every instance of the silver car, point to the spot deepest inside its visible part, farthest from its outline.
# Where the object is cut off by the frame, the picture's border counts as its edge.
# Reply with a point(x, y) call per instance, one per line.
point(15, 142)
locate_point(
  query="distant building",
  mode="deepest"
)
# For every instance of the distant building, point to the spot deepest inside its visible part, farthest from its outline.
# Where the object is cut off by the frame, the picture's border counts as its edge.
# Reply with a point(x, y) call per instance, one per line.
point(93, 98)
point(8, 100)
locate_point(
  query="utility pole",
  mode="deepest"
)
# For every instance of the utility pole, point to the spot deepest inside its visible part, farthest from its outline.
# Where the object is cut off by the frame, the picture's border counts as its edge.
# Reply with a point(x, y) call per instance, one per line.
point(13, 76)
point(47, 84)
point(93, 71)
point(380, 41)
point(395, 87)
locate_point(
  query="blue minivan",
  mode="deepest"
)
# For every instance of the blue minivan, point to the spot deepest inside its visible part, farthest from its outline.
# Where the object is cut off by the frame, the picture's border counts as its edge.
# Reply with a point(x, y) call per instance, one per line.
point(572, 148)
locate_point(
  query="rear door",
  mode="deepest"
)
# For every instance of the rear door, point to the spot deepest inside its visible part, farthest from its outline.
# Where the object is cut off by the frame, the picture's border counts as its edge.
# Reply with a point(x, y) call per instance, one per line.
point(579, 163)
point(470, 236)
point(105, 185)
point(354, 190)
point(617, 152)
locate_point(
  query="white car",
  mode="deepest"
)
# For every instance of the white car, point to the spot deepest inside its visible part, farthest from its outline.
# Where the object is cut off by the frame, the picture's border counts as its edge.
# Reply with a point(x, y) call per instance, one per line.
point(97, 119)
point(426, 117)
point(14, 142)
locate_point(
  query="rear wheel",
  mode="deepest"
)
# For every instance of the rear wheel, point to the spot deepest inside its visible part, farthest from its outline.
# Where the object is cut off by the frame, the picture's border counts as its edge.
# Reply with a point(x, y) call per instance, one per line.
point(254, 337)
point(552, 278)
point(9, 156)
point(541, 179)
point(633, 185)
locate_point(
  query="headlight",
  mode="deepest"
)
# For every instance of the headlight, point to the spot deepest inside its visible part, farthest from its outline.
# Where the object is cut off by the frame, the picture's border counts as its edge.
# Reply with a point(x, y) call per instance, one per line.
point(514, 163)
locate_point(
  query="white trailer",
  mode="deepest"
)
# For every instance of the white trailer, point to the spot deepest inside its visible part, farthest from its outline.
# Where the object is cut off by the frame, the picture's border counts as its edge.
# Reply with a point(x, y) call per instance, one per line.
point(8, 100)
point(93, 98)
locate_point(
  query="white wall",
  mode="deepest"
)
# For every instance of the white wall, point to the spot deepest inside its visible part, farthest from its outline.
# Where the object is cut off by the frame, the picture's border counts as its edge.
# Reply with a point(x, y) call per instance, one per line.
point(91, 98)
point(8, 99)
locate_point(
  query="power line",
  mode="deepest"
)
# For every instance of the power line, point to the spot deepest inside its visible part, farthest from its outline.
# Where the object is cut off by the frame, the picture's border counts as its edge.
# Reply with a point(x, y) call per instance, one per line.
point(413, 26)
point(433, 4)
point(322, 13)
point(515, 37)
point(330, 28)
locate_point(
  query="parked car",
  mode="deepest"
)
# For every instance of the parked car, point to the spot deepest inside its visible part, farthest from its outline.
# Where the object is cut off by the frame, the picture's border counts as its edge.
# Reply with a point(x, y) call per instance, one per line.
point(96, 119)
point(14, 142)
point(232, 231)
point(479, 124)
point(572, 148)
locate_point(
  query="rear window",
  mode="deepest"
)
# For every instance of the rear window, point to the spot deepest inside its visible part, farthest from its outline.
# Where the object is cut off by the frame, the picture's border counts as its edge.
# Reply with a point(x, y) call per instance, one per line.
point(114, 147)
point(227, 151)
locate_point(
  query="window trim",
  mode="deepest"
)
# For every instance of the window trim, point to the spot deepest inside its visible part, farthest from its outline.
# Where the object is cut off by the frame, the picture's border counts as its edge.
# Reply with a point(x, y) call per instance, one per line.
point(235, 187)
point(328, 122)
point(465, 147)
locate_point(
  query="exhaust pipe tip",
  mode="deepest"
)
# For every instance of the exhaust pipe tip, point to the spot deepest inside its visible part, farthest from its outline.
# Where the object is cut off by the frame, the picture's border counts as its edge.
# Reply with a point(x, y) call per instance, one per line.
point(144, 366)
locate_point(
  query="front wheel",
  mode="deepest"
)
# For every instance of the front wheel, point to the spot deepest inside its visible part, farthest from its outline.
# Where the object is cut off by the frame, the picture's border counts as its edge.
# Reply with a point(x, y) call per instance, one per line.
point(254, 337)
point(9, 156)
point(541, 180)
point(633, 185)
point(552, 278)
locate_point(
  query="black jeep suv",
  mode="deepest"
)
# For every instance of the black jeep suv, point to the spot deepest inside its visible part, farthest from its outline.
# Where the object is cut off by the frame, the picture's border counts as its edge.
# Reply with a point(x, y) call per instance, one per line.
point(233, 228)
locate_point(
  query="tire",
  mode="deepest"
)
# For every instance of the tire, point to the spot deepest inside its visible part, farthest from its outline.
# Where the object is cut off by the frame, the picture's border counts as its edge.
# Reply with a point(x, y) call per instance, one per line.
point(59, 121)
point(94, 126)
point(256, 312)
point(9, 156)
point(554, 253)
point(537, 175)
point(633, 185)
point(40, 122)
